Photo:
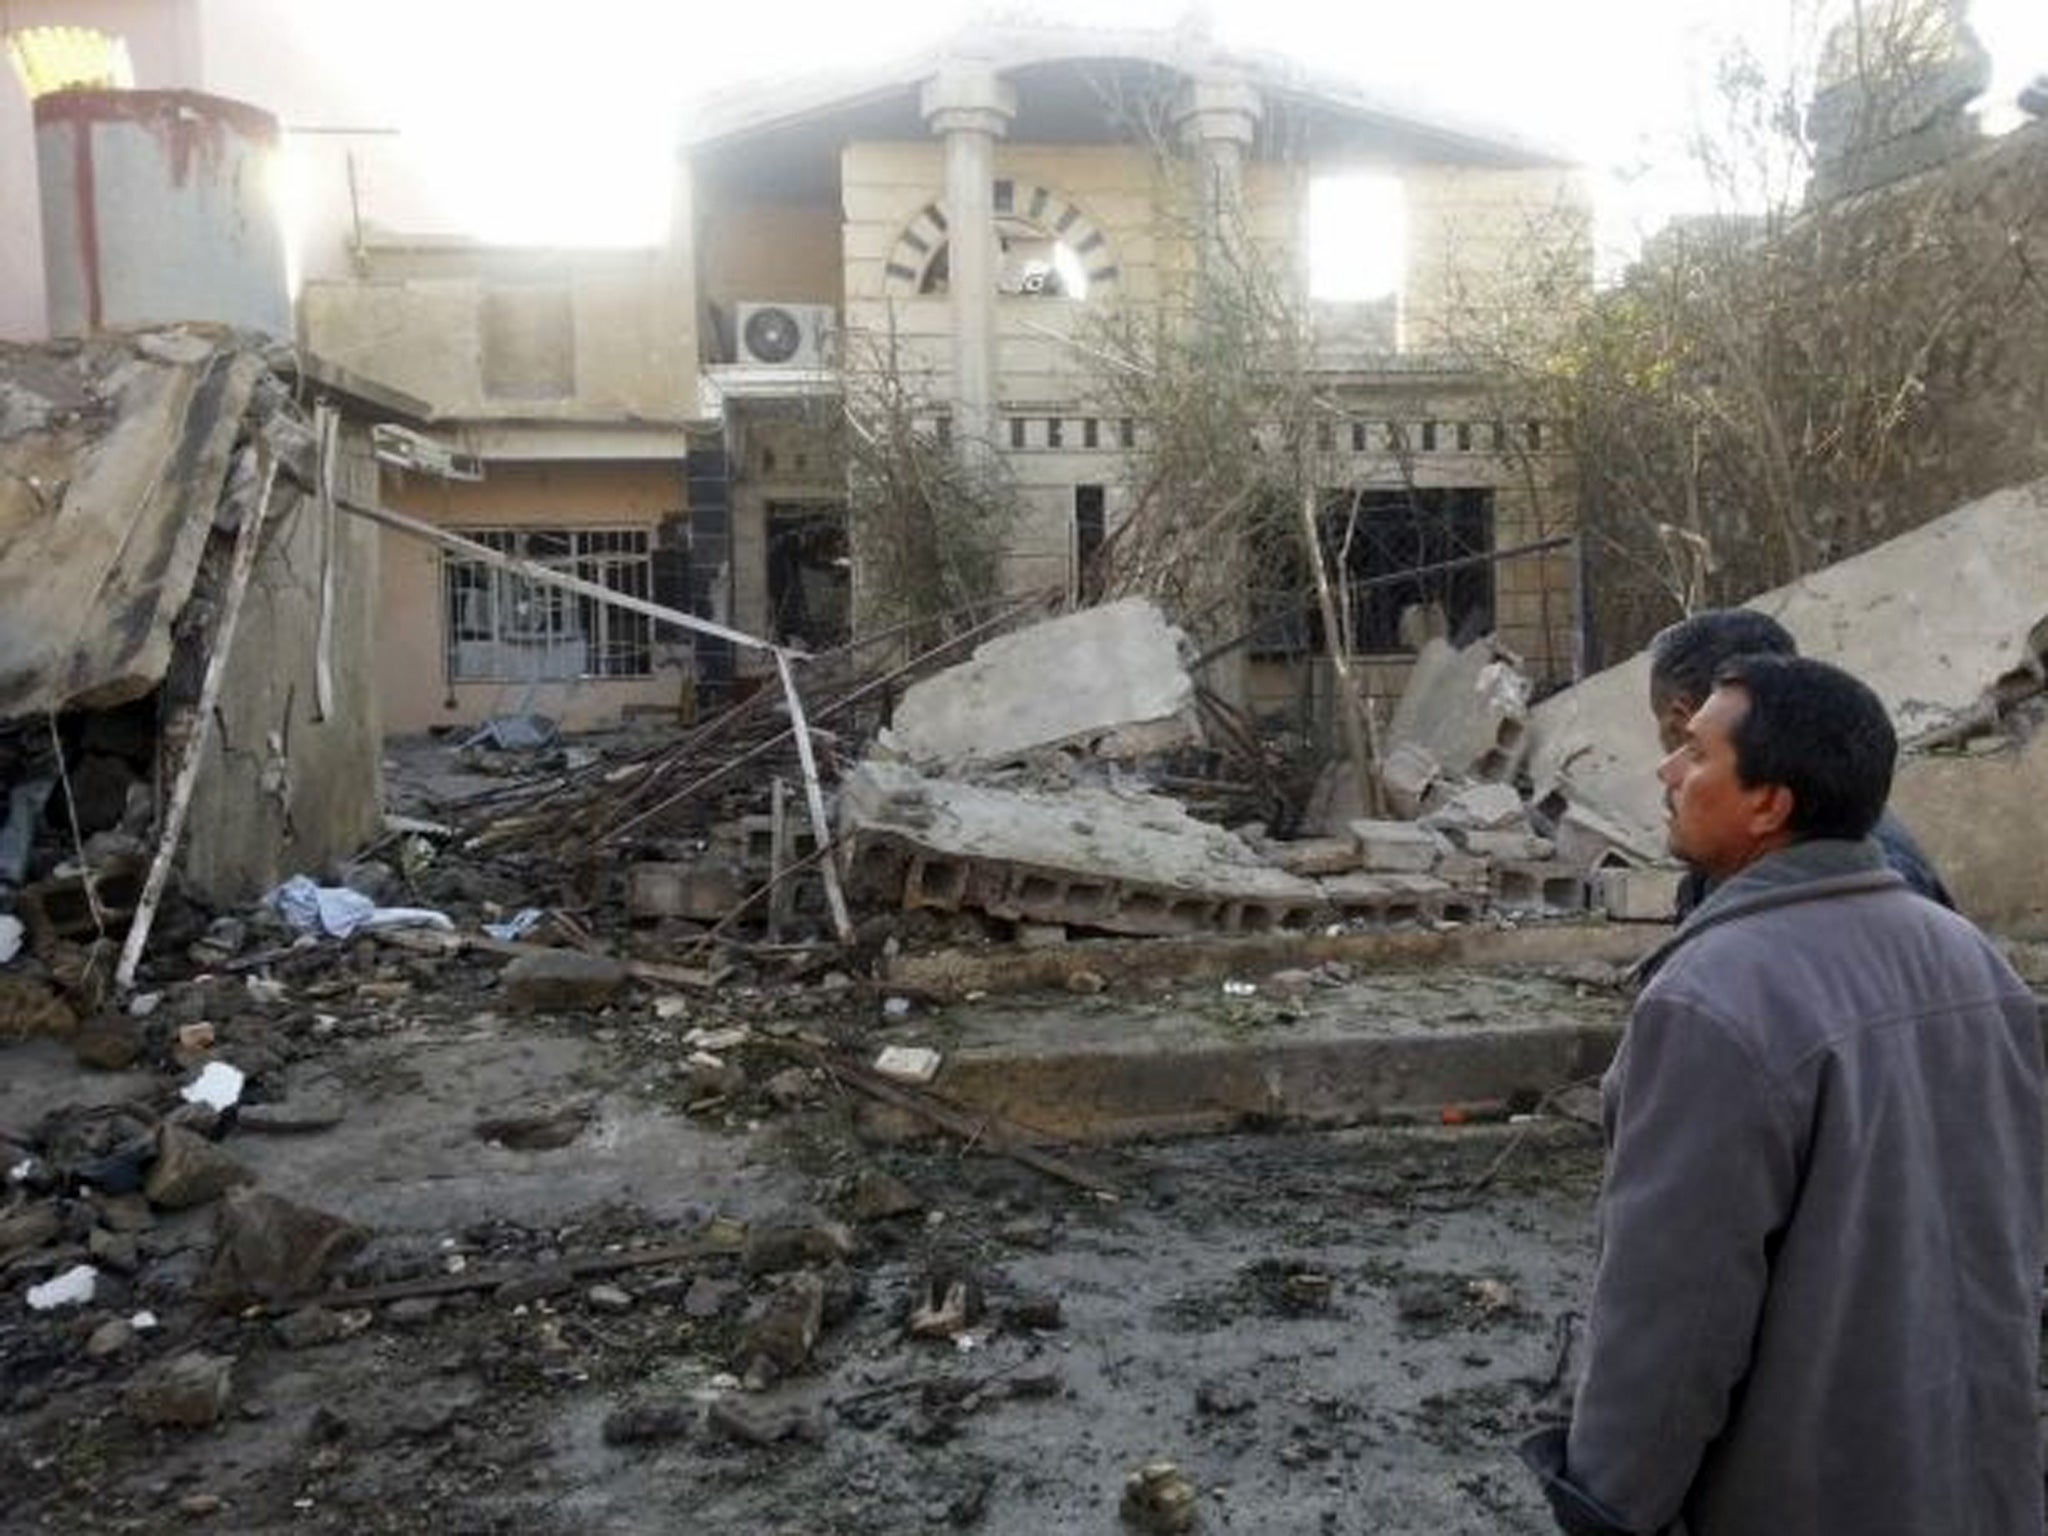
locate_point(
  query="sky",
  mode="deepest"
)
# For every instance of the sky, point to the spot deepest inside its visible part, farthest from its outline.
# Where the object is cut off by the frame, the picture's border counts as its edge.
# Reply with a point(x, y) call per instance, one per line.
point(556, 124)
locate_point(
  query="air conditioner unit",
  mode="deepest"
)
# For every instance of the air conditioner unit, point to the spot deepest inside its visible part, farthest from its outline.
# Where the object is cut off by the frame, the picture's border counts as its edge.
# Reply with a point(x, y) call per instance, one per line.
point(787, 335)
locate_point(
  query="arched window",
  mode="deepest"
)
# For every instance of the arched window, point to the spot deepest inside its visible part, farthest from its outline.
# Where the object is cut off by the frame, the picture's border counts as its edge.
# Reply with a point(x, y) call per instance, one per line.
point(1046, 248)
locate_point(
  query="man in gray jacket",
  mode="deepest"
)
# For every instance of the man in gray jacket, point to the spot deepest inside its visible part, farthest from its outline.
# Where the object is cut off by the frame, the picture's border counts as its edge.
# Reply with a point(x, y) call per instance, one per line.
point(1817, 1306)
point(1683, 661)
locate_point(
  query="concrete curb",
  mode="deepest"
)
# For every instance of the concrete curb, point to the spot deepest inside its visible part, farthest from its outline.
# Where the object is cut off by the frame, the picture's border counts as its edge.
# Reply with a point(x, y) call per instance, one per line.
point(949, 975)
point(1113, 1094)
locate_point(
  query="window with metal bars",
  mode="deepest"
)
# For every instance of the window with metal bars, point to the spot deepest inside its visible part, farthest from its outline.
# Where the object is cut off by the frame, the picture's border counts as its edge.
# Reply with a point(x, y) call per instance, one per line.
point(1394, 549)
point(504, 628)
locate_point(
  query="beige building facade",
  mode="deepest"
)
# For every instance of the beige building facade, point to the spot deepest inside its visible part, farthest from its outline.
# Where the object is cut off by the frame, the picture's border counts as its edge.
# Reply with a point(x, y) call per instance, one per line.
point(667, 420)
point(841, 208)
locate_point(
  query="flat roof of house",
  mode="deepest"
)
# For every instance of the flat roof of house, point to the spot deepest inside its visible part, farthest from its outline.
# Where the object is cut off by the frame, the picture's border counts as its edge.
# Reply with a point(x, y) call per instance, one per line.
point(1081, 85)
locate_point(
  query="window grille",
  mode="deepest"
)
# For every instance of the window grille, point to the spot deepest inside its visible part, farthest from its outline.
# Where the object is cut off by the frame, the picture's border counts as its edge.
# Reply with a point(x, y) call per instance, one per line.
point(501, 627)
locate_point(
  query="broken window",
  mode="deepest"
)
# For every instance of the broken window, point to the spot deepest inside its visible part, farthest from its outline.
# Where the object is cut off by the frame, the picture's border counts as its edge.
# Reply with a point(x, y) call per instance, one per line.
point(810, 575)
point(505, 628)
point(1396, 550)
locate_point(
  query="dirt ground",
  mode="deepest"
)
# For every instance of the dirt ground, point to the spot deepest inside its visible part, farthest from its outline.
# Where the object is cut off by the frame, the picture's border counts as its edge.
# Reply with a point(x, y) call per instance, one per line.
point(1331, 1331)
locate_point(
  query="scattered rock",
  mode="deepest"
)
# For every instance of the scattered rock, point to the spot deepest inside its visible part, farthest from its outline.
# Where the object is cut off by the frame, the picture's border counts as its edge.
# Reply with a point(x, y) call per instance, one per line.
point(649, 1423)
point(110, 1338)
point(26, 1229)
point(123, 1213)
point(950, 1305)
point(268, 1249)
point(189, 1390)
point(772, 1249)
point(562, 981)
point(1491, 1295)
point(315, 1109)
point(908, 1063)
point(782, 1336)
point(118, 1251)
point(540, 1130)
point(1158, 1497)
point(1027, 1232)
point(173, 1278)
point(1423, 1301)
point(759, 1425)
point(792, 1087)
point(201, 1120)
point(308, 1327)
point(190, 1170)
point(878, 1196)
point(707, 1297)
point(609, 1298)
point(711, 1077)
point(32, 1008)
point(225, 937)
point(1289, 984)
point(108, 1041)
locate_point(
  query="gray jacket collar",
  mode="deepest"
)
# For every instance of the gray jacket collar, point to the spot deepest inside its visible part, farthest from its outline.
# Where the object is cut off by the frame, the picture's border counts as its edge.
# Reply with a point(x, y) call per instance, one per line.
point(1808, 871)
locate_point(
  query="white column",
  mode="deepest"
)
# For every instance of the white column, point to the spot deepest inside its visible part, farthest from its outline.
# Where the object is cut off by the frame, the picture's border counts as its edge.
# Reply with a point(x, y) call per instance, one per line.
point(970, 107)
point(1218, 117)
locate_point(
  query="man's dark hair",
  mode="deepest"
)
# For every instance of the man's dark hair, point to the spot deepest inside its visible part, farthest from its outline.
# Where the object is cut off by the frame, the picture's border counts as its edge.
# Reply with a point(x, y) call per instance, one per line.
point(1819, 732)
point(1685, 657)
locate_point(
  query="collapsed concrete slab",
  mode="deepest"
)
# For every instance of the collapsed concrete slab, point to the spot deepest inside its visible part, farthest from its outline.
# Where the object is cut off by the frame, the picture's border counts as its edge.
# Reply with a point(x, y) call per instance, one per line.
point(129, 463)
point(1464, 714)
point(1948, 623)
point(1109, 678)
point(1118, 860)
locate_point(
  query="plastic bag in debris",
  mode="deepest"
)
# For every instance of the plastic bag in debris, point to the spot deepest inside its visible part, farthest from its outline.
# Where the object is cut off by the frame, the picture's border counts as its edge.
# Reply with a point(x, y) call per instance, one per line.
point(341, 913)
point(517, 926)
point(513, 733)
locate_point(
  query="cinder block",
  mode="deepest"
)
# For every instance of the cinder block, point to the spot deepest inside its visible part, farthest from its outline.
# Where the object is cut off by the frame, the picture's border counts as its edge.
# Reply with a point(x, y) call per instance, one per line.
point(1588, 839)
point(1485, 807)
point(1516, 847)
point(1396, 847)
point(700, 892)
point(1540, 886)
point(1312, 856)
point(1391, 898)
point(1640, 895)
point(1467, 874)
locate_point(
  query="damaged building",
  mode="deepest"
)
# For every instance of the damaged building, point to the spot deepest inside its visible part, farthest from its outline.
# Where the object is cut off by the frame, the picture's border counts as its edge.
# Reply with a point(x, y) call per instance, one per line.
point(668, 422)
point(522, 1008)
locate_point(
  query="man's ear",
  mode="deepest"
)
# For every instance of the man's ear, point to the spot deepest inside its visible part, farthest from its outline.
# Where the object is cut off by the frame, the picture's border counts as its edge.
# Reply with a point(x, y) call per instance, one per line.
point(1771, 812)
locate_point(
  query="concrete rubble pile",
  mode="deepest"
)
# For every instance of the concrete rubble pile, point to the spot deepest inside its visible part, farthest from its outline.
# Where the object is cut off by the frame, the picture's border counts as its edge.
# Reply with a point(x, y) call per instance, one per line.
point(148, 481)
point(1949, 624)
point(1006, 791)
